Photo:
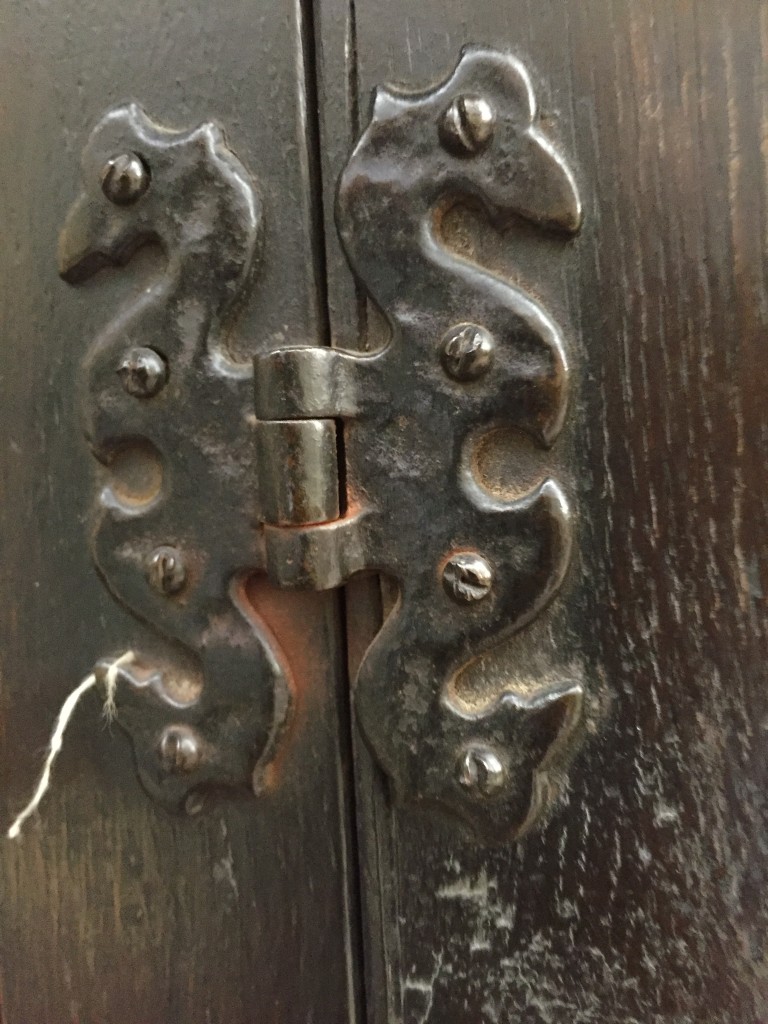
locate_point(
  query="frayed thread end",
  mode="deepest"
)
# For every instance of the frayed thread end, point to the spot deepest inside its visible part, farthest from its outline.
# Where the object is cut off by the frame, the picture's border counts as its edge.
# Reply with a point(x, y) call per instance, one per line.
point(57, 737)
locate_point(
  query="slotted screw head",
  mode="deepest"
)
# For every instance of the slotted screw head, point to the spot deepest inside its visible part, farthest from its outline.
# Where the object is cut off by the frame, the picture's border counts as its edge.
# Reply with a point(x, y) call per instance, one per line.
point(180, 749)
point(124, 179)
point(166, 570)
point(466, 127)
point(481, 771)
point(467, 352)
point(467, 577)
point(143, 372)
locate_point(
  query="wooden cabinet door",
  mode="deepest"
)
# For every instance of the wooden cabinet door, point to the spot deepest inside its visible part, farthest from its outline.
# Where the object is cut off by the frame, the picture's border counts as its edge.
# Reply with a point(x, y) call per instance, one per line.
point(643, 897)
point(112, 908)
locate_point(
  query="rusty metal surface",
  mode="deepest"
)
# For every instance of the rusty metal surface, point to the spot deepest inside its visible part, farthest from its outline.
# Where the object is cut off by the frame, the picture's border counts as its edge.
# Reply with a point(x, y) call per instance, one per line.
point(468, 352)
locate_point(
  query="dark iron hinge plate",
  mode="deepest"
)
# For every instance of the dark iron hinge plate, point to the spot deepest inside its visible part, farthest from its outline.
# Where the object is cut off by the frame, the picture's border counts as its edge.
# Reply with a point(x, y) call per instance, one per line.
point(468, 352)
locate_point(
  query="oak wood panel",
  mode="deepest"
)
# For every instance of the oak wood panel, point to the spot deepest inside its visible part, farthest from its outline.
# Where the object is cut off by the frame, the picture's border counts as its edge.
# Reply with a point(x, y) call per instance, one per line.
point(643, 900)
point(112, 911)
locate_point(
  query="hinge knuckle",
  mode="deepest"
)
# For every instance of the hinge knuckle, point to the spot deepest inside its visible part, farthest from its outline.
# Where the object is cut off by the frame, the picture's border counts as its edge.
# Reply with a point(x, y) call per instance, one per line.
point(297, 471)
point(305, 383)
point(319, 558)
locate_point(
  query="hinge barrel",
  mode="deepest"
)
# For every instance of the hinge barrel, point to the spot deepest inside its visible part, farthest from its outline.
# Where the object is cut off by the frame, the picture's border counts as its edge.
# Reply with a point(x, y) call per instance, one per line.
point(298, 472)
point(305, 383)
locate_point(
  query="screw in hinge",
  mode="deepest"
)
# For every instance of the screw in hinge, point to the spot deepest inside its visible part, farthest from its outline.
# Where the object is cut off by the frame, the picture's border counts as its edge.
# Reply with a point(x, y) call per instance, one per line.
point(467, 125)
point(180, 749)
point(143, 372)
point(166, 570)
point(480, 771)
point(467, 577)
point(124, 179)
point(467, 352)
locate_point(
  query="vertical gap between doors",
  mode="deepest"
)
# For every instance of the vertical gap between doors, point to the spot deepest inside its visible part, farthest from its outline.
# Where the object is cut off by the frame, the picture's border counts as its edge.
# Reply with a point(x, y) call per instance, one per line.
point(356, 971)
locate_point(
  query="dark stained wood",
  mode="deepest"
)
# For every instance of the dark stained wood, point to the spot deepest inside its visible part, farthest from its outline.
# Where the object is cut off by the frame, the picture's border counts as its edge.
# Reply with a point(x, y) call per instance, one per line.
point(644, 898)
point(112, 910)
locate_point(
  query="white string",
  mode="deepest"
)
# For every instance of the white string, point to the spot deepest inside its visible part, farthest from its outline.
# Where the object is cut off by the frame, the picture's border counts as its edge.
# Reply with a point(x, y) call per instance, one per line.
point(57, 737)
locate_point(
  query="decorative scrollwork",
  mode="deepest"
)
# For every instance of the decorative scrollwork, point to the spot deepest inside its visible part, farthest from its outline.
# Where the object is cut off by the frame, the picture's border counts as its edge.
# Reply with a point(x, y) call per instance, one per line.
point(167, 413)
point(467, 350)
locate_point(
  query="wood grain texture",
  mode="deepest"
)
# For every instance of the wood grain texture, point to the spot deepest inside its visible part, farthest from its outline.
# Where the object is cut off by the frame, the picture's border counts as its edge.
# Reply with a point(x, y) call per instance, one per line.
point(644, 898)
point(112, 911)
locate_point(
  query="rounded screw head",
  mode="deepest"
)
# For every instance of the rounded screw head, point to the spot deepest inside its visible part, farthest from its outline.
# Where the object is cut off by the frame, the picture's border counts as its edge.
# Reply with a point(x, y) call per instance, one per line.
point(166, 570)
point(467, 577)
point(467, 125)
point(143, 372)
point(481, 771)
point(124, 179)
point(180, 749)
point(467, 352)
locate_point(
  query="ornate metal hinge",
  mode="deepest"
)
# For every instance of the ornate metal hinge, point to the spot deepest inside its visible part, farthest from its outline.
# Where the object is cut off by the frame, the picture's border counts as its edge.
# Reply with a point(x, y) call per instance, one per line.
point(468, 351)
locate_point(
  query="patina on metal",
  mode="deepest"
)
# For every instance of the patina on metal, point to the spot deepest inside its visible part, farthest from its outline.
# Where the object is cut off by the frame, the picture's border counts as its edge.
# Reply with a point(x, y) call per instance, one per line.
point(467, 351)
point(361, 462)
point(167, 414)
